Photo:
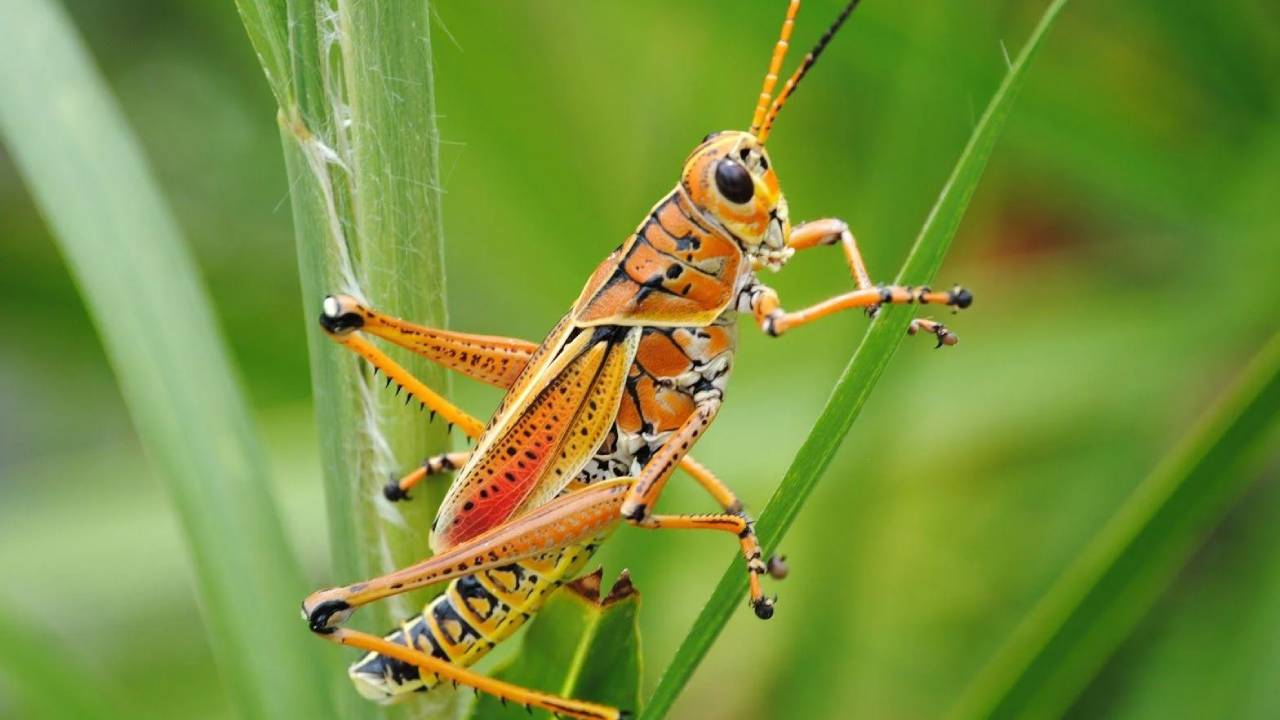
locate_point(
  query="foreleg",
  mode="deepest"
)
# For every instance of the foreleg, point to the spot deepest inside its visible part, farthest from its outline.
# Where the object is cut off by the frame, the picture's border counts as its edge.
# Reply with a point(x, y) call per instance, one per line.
point(434, 465)
point(832, 231)
point(774, 321)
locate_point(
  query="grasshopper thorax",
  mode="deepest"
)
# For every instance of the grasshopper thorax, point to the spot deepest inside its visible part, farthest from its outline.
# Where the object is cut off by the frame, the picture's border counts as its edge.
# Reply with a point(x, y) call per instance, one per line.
point(732, 182)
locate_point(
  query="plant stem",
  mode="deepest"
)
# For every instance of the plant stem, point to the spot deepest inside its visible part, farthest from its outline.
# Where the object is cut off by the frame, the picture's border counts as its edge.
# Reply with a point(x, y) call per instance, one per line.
point(357, 120)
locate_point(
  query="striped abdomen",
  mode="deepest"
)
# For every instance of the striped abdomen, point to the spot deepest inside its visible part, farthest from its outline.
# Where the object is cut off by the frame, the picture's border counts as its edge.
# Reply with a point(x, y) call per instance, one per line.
point(462, 625)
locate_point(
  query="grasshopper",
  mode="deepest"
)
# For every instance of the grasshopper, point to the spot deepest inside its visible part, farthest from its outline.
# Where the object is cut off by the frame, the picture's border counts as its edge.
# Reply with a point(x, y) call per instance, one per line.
point(596, 418)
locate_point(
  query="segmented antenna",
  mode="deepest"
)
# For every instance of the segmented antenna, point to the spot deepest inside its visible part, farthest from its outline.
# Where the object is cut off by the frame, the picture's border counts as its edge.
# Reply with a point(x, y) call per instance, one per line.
point(761, 130)
point(775, 65)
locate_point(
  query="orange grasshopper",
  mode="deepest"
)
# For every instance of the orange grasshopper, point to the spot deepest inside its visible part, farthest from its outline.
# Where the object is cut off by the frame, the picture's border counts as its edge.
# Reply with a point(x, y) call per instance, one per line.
point(595, 419)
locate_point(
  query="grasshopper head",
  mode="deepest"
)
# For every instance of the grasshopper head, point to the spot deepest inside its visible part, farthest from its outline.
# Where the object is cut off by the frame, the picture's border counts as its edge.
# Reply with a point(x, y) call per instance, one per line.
point(729, 176)
point(730, 179)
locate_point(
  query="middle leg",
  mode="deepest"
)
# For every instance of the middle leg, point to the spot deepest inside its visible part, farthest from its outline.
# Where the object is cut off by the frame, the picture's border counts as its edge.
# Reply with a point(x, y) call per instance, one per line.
point(398, 489)
point(648, 486)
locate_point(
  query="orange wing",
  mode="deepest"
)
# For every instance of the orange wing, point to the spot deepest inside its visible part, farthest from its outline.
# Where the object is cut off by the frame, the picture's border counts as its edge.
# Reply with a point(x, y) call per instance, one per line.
point(545, 431)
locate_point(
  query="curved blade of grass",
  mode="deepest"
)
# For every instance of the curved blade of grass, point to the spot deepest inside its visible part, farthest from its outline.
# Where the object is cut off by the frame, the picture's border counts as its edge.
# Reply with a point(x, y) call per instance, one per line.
point(1097, 602)
point(857, 380)
point(581, 646)
point(89, 178)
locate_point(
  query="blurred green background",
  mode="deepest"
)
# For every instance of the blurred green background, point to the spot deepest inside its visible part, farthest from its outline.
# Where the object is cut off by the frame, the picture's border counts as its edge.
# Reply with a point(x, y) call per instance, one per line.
point(1122, 249)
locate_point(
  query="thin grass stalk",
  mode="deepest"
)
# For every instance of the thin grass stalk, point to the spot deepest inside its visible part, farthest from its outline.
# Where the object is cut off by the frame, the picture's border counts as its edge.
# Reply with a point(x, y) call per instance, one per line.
point(357, 120)
point(858, 379)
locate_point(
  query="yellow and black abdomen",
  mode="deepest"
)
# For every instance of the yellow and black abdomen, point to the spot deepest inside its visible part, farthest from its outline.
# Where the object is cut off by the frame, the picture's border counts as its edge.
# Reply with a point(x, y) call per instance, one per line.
point(462, 625)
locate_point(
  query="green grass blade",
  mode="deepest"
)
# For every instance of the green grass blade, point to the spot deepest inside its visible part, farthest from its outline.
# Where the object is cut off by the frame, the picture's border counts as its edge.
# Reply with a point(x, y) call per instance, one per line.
point(579, 646)
point(87, 174)
point(357, 115)
point(858, 379)
point(1097, 602)
point(40, 676)
point(265, 22)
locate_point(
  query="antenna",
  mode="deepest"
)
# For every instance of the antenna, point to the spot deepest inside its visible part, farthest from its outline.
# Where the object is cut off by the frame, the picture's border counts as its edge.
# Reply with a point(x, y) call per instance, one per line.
point(775, 65)
point(761, 129)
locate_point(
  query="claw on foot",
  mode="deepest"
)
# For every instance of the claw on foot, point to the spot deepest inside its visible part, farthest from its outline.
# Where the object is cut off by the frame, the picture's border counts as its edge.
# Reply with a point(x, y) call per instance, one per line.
point(393, 492)
point(960, 298)
point(764, 607)
point(326, 616)
point(945, 336)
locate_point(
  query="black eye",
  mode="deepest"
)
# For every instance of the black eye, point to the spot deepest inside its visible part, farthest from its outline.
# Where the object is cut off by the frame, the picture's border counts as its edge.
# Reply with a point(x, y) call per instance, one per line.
point(734, 182)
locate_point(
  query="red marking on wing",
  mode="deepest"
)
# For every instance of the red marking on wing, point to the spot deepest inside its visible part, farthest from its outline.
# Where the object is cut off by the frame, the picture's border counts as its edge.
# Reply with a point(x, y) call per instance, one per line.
point(509, 468)
point(534, 453)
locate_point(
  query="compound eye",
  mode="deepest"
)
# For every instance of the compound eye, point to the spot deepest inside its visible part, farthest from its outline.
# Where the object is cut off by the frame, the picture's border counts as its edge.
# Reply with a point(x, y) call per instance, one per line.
point(734, 182)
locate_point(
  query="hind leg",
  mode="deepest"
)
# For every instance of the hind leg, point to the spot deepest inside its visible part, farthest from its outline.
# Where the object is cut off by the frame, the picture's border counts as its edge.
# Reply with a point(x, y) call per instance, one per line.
point(487, 358)
point(429, 665)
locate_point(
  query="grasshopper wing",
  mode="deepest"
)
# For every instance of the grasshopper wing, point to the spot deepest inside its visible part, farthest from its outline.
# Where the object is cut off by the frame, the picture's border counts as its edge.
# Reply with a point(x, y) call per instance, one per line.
point(544, 432)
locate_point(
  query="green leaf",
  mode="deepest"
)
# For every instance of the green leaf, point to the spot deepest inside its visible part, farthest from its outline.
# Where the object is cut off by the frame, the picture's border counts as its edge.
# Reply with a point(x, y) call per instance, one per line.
point(857, 380)
point(579, 646)
point(87, 174)
point(1115, 580)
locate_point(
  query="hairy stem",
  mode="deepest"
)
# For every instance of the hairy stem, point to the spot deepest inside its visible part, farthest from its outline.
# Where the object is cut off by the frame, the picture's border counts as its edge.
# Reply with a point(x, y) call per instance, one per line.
point(357, 119)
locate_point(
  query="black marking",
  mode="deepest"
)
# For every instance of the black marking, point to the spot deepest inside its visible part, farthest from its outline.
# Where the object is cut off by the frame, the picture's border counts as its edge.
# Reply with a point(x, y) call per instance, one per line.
point(688, 243)
point(389, 670)
point(319, 617)
point(763, 608)
point(420, 630)
point(643, 454)
point(516, 572)
point(393, 492)
point(343, 323)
